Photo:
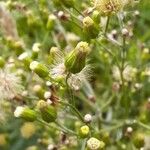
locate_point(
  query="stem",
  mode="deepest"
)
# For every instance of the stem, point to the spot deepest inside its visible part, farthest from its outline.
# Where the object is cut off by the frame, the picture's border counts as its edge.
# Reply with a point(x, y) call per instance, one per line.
point(61, 127)
point(143, 125)
point(65, 129)
point(107, 103)
point(113, 127)
point(83, 144)
point(74, 109)
point(107, 24)
point(78, 11)
point(69, 90)
point(110, 53)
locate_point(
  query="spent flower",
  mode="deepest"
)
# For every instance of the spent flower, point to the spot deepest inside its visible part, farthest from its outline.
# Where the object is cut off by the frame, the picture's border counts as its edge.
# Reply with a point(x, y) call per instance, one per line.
point(10, 85)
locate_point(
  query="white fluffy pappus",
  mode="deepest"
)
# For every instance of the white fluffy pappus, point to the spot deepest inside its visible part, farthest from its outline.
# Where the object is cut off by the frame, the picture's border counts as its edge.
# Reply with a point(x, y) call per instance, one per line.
point(10, 85)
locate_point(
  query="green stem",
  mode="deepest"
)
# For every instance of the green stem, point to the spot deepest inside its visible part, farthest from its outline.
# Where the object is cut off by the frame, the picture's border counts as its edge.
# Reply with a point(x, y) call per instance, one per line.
point(61, 127)
point(143, 125)
point(78, 11)
point(107, 24)
point(83, 144)
point(74, 109)
point(65, 129)
point(113, 127)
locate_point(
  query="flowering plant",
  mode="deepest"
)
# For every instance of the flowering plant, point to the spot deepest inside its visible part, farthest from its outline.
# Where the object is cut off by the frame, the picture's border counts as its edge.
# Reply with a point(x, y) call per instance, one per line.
point(74, 75)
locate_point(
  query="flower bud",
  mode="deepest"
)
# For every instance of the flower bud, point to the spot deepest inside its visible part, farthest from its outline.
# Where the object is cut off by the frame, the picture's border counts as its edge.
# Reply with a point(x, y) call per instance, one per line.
point(55, 54)
point(51, 22)
point(95, 144)
point(125, 32)
point(76, 59)
point(96, 17)
point(41, 70)
point(25, 113)
point(139, 140)
point(25, 58)
point(87, 118)
point(47, 95)
point(48, 112)
point(39, 91)
point(84, 131)
point(90, 29)
point(35, 50)
point(2, 62)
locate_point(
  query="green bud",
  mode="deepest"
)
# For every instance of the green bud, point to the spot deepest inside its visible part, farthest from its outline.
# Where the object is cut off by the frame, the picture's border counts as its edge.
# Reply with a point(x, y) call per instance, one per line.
point(40, 69)
point(35, 50)
point(25, 58)
point(76, 59)
point(84, 131)
point(55, 54)
point(138, 140)
point(39, 91)
point(96, 16)
point(25, 113)
point(2, 62)
point(90, 29)
point(51, 22)
point(48, 112)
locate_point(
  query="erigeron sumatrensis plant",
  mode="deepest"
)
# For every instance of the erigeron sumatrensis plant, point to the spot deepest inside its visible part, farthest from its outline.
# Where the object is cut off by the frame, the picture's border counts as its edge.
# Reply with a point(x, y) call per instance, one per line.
point(74, 74)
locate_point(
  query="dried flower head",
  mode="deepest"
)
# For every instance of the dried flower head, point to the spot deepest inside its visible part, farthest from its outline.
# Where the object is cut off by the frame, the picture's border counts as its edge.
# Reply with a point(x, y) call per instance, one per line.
point(10, 85)
point(95, 144)
point(7, 22)
point(108, 7)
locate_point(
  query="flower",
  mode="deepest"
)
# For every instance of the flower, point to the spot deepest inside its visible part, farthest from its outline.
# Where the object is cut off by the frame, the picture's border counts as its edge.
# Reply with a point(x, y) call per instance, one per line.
point(95, 144)
point(10, 85)
point(84, 131)
point(76, 81)
point(19, 110)
point(59, 70)
point(129, 73)
point(88, 118)
point(27, 130)
point(25, 113)
point(107, 7)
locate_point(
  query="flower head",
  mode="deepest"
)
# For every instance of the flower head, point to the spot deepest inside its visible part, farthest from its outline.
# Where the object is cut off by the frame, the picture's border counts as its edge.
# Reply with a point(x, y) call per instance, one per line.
point(107, 7)
point(59, 69)
point(95, 144)
point(10, 85)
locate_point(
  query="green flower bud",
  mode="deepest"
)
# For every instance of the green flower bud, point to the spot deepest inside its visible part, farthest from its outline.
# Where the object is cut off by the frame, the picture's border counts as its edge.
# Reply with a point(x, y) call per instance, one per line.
point(39, 91)
point(2, 62)
point(25, 113)
point(138, 140)
point(76, 59)
point(51, 22)
point(41, 70)
point(84, 131)
point(95, 144)
point(96, 16)
point(48, 112)
point(35, 50)
point(55, 54)
point(25, 58)
point(90, 29)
